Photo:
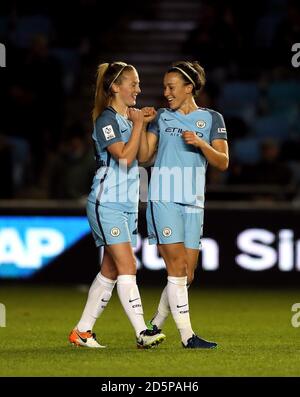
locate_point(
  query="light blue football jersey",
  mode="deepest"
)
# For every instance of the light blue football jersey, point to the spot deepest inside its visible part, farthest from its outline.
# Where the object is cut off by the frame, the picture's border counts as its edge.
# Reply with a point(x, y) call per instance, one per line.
point(114, 185)
point(179, 170)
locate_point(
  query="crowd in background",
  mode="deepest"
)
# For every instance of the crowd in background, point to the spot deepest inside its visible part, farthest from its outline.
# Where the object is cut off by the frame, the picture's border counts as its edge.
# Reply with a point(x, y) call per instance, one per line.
point(45, 125)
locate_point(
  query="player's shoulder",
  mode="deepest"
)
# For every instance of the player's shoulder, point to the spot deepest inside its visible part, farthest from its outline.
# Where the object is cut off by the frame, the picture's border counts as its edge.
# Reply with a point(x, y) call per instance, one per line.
point(213, 113)
point(108, 115)
point(162, 111)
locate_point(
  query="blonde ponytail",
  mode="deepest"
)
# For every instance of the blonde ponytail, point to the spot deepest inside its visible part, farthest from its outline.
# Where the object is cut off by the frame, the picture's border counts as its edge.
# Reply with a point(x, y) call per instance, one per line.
point(101, 98)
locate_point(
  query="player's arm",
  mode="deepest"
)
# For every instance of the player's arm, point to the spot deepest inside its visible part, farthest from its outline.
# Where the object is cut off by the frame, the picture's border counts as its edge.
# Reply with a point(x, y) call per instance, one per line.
point(148, 146)
point(128, 151)
point(217, 154)
point(148, 143)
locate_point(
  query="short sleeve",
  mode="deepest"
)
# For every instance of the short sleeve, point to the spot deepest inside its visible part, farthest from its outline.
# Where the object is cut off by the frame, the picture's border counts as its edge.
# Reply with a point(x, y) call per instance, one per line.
point(218, 128)
point(154, 125)
point(107, 130)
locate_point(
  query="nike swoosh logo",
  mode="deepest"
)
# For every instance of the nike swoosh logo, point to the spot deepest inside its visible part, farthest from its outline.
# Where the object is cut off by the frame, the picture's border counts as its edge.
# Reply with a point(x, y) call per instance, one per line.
point(83, 339)
point(103, 300)
point(181, 305)
point(168, 119)
point(123, 131)
point(133, 300)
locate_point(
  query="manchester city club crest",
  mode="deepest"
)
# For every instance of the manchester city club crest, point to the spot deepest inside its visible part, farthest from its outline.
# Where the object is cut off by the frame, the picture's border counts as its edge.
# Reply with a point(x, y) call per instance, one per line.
point(167, 232)
point(115, 232)
point(201, 124)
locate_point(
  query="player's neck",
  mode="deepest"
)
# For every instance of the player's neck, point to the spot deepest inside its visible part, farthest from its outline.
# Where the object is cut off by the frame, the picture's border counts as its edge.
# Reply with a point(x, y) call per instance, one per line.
point(188, 107)
point(119, 108)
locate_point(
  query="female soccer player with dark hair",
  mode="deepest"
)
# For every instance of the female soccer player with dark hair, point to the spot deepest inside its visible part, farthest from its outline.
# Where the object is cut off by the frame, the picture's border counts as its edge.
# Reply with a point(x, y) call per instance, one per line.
point(186, 138)
point(113, 203)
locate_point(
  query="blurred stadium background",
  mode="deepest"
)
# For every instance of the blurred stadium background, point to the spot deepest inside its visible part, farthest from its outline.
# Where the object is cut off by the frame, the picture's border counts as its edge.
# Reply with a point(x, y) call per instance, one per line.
point(251, 231)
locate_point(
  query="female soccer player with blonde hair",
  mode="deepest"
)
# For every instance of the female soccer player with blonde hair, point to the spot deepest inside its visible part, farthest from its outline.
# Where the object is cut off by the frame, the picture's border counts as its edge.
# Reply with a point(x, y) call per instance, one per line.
point(186, 138)
point(113, 202)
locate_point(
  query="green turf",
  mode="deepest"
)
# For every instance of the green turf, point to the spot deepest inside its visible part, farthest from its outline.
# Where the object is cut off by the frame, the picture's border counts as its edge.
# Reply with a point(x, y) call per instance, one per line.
point(253, 329)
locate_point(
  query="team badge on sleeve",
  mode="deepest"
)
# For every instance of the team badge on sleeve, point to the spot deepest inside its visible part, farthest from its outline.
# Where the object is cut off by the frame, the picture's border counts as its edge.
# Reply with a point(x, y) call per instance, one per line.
point(221, 130)
point(108, 132)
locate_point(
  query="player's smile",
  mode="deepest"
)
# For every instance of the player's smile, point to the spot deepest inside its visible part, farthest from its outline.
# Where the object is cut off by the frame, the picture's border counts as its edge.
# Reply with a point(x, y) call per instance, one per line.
point(132, 100)
point(174, 103)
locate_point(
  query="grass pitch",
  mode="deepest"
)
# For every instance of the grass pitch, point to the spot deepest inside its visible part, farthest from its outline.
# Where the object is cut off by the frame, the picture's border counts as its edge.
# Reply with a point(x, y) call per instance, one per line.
point(252, 327)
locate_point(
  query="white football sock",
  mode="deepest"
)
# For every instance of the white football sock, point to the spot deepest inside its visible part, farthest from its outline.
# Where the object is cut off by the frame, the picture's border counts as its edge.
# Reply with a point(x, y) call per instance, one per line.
point(98, 297)
point(179, 304)
point(163, 310)
point(131, 301)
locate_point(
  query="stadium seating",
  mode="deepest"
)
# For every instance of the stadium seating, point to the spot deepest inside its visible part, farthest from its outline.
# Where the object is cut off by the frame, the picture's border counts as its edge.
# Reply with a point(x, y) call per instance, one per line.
point(246, 150)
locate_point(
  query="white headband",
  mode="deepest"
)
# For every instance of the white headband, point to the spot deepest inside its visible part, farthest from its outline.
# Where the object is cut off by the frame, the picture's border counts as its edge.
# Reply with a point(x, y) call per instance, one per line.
point(118, 74)
point(186, 75)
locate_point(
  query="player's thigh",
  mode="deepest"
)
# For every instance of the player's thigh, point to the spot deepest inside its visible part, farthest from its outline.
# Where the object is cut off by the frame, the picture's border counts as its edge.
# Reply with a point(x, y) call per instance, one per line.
point(165, 223)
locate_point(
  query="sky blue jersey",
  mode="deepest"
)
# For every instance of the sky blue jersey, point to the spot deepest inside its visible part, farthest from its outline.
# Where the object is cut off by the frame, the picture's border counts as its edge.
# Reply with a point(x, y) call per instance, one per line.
point(179, 170)
point(114, 185)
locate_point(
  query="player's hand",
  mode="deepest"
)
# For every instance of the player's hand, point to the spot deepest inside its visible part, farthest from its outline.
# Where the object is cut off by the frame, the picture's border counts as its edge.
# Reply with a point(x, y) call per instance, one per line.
point(135, 115)
point(191, 138)
point(149, 114)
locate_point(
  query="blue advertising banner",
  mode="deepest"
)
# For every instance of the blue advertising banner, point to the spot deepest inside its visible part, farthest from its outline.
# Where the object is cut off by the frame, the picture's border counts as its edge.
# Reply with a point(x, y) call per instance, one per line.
point(28, 243)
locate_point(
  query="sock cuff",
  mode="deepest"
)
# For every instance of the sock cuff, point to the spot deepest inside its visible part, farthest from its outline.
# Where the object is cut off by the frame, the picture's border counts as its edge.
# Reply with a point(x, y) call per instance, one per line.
point(126, 279)
point(106, 280)
point(177, 280)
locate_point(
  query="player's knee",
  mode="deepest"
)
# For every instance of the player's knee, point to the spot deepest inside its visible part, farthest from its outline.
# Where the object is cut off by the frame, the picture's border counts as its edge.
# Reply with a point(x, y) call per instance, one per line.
point(109, 270)
point(127, 266)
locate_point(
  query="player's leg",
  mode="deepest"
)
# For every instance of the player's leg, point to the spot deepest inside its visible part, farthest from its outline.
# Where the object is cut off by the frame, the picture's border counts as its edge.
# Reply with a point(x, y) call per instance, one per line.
point(178, 262)
point(179, 222)
point(129, 294)
point(175, 258)
point(165, 225)
point(100, 290)
point(99, 294)
point(98, 297)
point(192, 256)
point(193, 230)
point(193, 233)
point(119, 231)
point(166, 228)
point(163, 309)
point(161, 229)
